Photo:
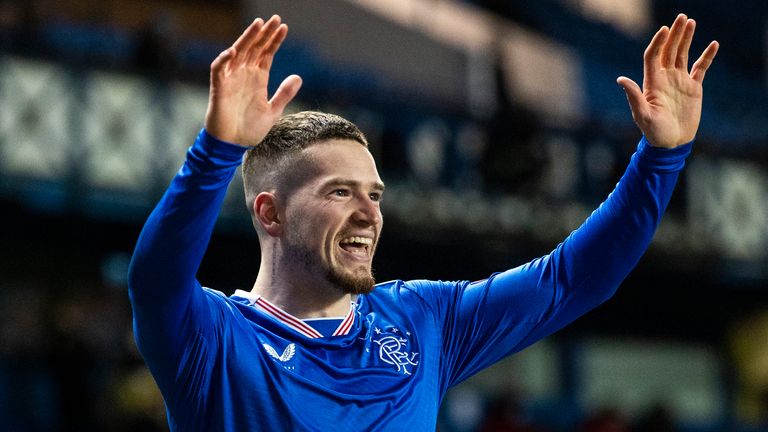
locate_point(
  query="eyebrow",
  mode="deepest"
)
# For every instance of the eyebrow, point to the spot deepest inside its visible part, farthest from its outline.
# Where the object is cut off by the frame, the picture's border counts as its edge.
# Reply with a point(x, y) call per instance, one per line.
point(378, 186)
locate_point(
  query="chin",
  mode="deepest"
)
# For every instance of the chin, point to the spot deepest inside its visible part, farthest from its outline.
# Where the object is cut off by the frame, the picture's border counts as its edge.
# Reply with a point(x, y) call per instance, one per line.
point(360, 283)
point(361, 287)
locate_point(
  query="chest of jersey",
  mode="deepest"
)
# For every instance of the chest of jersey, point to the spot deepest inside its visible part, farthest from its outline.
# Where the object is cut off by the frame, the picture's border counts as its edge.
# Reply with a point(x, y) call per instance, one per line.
point(380, 355)
point(385, 369)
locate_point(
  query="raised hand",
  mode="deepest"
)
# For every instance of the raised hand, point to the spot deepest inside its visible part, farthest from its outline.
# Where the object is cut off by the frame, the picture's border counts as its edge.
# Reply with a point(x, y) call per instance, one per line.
point(239, 109)
point(668, 108)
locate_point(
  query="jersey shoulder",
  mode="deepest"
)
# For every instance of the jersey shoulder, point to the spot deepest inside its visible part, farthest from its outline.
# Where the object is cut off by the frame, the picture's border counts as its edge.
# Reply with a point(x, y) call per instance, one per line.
point(420, 293)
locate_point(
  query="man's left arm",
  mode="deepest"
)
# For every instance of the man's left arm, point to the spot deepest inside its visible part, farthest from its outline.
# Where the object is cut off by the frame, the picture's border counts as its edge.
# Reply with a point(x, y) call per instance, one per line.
point(514, 309)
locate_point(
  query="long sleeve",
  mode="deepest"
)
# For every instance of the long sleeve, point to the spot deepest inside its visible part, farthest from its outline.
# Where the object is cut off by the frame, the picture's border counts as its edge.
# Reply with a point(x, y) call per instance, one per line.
point(168, 303)
point(487, 320)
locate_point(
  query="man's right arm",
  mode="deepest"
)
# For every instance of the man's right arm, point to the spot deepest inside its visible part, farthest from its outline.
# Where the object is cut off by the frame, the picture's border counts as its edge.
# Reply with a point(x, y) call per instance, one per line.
point(169, 305)
point(162, 285)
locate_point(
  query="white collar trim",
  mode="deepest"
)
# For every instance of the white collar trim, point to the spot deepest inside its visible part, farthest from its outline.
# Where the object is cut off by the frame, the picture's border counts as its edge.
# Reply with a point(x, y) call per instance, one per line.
point(295, 323)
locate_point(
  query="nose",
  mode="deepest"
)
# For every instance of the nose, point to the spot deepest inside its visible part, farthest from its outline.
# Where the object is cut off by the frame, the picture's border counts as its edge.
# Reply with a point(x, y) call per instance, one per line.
point(368, 212)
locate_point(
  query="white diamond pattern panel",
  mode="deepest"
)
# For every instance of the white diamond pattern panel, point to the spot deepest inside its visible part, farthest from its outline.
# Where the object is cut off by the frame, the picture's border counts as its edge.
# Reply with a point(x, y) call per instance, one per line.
point(188, 105)
point(120, 143)
point(728, 210)
point(35, 100)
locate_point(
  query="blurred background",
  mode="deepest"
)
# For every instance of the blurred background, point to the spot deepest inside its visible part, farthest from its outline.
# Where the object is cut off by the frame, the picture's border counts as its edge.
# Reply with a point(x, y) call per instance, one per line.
point(497, 126)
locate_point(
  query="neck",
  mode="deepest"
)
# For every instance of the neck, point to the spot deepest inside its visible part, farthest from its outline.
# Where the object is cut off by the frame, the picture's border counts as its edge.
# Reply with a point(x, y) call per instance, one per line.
point(301, 295)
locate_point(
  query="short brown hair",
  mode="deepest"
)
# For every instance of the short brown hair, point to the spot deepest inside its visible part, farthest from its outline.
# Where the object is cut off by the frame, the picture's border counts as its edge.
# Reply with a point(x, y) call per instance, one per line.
point(267, 164)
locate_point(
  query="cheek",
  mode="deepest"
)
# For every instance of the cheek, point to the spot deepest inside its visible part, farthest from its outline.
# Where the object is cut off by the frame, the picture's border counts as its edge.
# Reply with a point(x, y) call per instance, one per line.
point(319, 222)
point(325, 224)
point(381, 220)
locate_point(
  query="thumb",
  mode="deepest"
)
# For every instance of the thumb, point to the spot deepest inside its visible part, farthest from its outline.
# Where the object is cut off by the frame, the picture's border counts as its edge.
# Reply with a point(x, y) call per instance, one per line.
point(637, 102)
point(285, 93)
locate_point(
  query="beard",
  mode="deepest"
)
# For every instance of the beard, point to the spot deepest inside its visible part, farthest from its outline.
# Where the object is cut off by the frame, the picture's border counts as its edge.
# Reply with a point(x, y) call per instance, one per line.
point(359, 282)
point(356, 282)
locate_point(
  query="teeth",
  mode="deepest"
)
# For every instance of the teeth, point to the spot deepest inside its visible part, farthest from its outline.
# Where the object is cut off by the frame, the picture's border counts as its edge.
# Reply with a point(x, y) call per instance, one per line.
point(361, 240)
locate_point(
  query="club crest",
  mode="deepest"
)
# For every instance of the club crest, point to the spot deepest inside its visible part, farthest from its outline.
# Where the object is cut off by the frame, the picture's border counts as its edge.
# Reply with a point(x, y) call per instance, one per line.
point(393, 350)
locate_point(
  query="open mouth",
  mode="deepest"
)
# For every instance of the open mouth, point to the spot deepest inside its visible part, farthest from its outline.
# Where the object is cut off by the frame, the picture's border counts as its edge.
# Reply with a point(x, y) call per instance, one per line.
point(356, 245)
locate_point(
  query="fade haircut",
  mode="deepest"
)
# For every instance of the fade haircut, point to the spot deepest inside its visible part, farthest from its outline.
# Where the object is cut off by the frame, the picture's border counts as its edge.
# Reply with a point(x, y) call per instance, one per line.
point(271, 165)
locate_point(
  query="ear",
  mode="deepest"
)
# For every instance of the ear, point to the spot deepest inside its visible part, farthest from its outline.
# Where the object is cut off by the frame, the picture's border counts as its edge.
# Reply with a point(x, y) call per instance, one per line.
point(265, 213)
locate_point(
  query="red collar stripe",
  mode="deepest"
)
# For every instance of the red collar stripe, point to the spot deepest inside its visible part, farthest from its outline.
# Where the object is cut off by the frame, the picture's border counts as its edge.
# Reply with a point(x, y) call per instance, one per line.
point(295, 323)
point(347, 323)
point(288, 319)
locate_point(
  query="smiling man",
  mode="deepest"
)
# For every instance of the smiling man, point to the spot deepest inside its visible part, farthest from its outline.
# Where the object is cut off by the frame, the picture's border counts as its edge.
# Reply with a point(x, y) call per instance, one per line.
point(313, 172)
point(315, 344)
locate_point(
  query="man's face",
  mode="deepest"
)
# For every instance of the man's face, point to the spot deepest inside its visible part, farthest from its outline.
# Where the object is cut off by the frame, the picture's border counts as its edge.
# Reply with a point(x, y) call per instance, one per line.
point(333, 220)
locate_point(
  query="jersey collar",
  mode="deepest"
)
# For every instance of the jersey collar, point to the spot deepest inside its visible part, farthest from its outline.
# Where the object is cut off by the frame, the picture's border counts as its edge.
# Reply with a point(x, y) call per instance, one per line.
point(291, 321)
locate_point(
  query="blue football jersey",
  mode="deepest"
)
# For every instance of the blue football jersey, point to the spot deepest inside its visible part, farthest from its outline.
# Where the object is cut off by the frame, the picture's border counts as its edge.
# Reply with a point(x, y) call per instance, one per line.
point(240, 363)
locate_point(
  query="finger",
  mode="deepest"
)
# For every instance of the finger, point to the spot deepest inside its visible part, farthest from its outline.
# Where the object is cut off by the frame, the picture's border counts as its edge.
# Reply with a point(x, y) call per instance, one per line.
point(651, 57)
point(219, 65)
point(669, 51)
point(681, 61)
point(248, 35)
point(257, 44)
point(285, 93)
point(637, 102)
point(699, 68)
point(268, 53)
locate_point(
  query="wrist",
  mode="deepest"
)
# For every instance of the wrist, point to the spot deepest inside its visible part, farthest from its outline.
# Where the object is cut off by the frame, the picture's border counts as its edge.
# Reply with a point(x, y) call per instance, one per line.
point(214, 138)
point(219, 148)
point(664, 159)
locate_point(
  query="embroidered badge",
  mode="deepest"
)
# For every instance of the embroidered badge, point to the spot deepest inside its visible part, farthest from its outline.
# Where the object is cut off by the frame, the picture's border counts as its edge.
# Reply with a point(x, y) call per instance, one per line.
point(287, 354)
point(392, 350)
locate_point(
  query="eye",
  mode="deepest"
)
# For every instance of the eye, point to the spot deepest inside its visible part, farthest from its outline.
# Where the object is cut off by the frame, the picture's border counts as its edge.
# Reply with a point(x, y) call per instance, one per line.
point(375, 196)
point(340, 193)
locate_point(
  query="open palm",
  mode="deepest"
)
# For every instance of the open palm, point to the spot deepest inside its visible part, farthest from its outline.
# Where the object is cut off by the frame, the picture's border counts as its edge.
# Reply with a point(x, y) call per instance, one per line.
point(239, 108)
point(668, 108)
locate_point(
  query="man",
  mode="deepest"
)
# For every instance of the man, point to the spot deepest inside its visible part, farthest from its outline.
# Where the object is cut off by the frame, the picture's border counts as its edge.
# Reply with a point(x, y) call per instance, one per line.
point(314, 345)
